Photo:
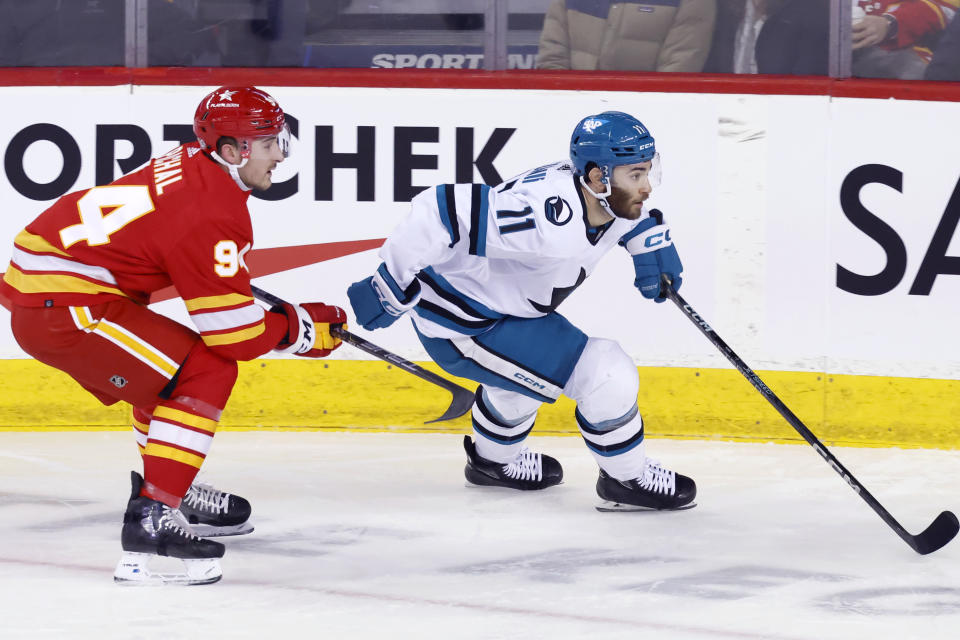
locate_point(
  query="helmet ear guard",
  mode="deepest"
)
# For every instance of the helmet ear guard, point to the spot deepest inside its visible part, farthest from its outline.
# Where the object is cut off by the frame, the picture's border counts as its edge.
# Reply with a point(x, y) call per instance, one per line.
point(606, 179)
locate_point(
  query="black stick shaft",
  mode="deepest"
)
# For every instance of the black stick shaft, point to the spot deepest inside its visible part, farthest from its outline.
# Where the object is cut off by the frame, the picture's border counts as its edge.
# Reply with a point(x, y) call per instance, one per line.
point(392, 358)
point(943, 529)
point(462, 398)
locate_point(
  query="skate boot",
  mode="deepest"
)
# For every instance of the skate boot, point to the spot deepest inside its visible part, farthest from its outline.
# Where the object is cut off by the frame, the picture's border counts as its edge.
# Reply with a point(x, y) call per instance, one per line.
point(212, 512)
point(659, 489)
point(151, 529)
point(527, 471)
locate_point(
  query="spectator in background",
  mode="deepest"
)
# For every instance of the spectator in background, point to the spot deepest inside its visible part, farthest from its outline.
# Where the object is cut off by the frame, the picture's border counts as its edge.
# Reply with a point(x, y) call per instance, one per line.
point(770, 36)
point(945, 64)
point(735, 34)
point(628, 36)
point(895, 38)
point(794, 39)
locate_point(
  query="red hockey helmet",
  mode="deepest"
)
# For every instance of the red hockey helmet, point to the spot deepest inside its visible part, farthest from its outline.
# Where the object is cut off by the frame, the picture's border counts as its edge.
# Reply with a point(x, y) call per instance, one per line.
point(243, 113)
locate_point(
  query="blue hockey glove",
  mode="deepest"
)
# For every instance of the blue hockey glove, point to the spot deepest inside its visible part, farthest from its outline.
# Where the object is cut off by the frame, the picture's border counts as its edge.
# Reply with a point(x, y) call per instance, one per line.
point(653, 254)
point(378, 301)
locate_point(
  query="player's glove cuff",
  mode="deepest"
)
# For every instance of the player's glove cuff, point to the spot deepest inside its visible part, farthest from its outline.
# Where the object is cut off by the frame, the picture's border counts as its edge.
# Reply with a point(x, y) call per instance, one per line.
point(394, 300)
point(378, 300)
point(301, 332)
point(651, 234)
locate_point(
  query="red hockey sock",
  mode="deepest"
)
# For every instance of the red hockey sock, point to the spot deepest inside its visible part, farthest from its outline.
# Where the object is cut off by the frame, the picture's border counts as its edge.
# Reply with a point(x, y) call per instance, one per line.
point(141, 426)
point(180, 435)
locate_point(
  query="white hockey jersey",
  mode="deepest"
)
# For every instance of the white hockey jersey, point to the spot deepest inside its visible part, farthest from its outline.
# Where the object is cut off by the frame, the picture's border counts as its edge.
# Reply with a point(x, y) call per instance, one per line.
point(482, 253)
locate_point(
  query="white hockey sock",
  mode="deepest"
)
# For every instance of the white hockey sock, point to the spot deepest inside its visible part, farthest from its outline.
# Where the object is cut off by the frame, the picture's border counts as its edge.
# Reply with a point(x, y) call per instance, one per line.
point(497, 438)
point(617, 445)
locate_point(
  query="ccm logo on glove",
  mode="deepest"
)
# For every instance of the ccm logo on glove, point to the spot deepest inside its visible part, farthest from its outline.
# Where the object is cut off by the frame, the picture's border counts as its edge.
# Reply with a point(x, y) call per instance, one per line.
point(654, 255)
point(310, 334)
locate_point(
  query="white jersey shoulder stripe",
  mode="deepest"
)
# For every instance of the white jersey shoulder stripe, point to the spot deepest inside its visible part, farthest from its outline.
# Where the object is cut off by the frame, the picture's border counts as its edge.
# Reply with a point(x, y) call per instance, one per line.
point(230, 319)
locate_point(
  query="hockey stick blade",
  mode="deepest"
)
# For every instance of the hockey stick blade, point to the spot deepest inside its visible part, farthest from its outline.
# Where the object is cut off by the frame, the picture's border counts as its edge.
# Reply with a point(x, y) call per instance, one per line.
point(941, 531)
point(462, 398)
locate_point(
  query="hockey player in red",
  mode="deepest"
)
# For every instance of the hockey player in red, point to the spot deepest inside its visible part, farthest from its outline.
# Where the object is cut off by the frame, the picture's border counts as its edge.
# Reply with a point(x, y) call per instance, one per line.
point(895, 38)
point(79, 281)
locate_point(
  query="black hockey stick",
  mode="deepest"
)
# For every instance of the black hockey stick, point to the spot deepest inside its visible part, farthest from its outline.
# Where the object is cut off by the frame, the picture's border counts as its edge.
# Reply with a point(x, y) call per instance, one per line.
point(462, 398)
point(941, 531)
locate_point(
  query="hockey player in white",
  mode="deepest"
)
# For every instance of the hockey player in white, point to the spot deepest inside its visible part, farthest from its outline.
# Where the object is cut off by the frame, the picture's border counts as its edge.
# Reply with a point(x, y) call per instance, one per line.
point(484, 268)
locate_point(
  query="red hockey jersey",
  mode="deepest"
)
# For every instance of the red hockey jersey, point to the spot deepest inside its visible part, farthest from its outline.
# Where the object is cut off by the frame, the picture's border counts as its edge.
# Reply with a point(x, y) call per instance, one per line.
point(919, 22)
point(179, 220)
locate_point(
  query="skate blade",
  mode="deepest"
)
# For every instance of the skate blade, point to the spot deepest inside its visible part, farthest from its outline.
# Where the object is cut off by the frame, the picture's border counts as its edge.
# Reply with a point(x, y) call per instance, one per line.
point(133, 570)
point(500, 487)
point(608, 506)
point(212, 531)
point(494, 487)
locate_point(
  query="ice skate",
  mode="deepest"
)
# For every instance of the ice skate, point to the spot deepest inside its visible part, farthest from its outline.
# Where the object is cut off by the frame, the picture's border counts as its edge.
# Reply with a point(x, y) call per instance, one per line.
point(528, 471)
point(152, 529)
point(211, 512)
point(659, 489)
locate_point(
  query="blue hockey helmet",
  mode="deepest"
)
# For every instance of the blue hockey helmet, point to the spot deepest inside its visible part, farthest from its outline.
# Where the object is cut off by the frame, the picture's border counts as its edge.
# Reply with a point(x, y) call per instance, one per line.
point(610, 139)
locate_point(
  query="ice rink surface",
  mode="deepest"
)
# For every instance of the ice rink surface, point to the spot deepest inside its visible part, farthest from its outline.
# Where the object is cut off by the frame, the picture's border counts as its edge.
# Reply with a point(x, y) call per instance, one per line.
point(376, 536)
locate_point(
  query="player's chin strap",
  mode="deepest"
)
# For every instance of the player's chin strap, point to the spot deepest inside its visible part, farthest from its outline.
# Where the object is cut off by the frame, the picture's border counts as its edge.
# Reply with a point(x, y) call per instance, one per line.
point(232, 169)
point(601, 197)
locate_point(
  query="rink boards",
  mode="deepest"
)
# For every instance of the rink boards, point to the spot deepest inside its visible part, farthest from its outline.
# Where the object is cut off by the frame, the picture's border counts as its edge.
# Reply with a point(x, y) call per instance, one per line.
point(816, 234)
point(676, 403)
